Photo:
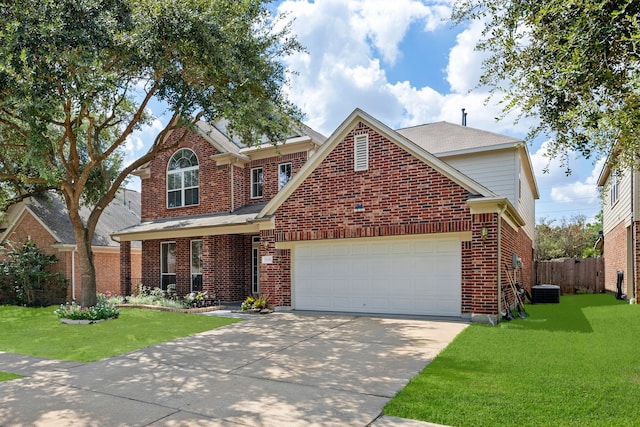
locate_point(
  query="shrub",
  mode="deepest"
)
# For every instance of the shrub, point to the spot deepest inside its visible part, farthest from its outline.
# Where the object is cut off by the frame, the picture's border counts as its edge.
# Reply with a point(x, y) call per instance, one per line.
point(255, 303)
point(100, 311)
point(26, 278)
point(156, 296)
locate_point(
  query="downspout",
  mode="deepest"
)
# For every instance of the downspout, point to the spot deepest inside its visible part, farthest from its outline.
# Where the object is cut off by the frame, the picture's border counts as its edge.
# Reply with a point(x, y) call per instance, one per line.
point(73, 274)
point(232, 185)
point(500, 299)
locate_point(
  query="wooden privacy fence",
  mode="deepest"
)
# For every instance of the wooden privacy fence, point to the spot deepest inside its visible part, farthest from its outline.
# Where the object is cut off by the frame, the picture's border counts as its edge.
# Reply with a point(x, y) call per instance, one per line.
point(573, 275)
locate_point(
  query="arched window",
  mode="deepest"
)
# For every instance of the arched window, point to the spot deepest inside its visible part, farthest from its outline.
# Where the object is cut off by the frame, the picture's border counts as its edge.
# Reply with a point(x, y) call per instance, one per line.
point(183, 179)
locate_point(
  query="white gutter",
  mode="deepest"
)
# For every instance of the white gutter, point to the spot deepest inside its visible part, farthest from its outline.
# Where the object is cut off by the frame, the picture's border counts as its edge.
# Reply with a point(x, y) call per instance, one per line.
point(73, 274)
point(500, 299)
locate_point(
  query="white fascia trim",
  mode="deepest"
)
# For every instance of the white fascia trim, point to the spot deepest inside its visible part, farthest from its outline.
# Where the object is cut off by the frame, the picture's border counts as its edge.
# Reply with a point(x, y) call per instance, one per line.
point(250, 227)
point(293, 145)
point(464, 236)
point(499, 205)
point(230, 159)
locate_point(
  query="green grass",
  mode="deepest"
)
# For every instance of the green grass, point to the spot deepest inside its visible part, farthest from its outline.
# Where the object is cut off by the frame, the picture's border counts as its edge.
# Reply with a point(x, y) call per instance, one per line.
point(6, 376)
point(576, 363)
point(37, 332)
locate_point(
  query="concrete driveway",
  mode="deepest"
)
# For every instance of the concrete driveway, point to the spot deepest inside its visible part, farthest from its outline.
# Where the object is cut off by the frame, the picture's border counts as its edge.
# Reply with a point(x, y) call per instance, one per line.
point(273, 370)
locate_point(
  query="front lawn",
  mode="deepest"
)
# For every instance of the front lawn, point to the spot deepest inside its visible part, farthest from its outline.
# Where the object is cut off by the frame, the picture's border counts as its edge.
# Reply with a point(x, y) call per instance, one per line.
point(37, 332)
point(576, 363)
point(6, 376)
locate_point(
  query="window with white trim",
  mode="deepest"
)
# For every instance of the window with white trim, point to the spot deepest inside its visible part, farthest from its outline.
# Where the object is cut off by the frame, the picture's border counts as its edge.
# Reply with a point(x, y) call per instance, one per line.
point(284, 174)
point(196, 265)
point(361, 153)
point(256, 183)
point(183, 179)
point(167, 265)
point(613, 192)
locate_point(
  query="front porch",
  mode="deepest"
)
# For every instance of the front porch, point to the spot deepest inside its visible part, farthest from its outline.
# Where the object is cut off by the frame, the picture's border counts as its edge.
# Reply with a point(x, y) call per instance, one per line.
point(226, 267)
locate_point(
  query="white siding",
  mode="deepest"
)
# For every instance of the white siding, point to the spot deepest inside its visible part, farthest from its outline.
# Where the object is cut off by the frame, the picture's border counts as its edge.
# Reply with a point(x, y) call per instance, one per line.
point(496, 170)
point(621, 210)
point(527, 204)
point(500, 171)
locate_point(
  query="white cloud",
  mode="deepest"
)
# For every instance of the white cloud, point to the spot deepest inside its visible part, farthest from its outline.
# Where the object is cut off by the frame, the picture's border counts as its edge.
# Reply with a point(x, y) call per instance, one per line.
point(565, 195)
point(348, 45)
point(465, 63)
point(582, 191)
point(140, 140)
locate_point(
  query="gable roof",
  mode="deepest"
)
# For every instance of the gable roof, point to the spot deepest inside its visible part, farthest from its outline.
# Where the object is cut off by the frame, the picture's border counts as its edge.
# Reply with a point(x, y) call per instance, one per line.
point(339, 134)
point(444, 138)
point(51, 212)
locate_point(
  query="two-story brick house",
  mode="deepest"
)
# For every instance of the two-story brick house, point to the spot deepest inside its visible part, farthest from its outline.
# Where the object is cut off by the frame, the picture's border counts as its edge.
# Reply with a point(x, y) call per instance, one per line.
point(422, 220)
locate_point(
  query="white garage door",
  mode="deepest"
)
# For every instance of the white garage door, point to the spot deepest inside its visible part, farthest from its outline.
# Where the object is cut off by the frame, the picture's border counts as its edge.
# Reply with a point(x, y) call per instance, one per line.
point(409, 276)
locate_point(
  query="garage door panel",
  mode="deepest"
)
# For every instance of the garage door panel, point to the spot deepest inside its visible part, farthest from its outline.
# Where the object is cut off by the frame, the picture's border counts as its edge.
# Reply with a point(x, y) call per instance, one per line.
point(412, 276)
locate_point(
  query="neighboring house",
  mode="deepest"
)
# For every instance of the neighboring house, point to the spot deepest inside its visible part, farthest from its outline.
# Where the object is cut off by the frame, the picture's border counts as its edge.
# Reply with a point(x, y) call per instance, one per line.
point(423, 220)
point(44, 220)
point(621, 228)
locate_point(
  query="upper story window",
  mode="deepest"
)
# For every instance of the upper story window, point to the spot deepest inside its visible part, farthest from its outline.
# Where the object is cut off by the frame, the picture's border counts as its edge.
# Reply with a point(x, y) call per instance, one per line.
point(183, 179)
point(284, 174)
point(361, 153)
point(614, 187)
point(256, 183)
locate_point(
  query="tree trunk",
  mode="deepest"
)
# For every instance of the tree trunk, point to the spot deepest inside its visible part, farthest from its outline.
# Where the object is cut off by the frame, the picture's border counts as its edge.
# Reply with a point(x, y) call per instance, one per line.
point(88, 297)
point(84, 237)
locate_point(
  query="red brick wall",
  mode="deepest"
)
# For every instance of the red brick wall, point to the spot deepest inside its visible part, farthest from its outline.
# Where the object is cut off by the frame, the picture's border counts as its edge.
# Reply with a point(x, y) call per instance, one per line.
point(270, 169)
point(275, 278)
point(214, 182)
point(615, 257)
point(226, 260)
point(107, 264)
point(400, 195)
point(479, 267)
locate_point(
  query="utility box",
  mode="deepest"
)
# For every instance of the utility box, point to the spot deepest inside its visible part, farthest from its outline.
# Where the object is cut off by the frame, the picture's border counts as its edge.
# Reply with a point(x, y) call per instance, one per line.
point(545, 294)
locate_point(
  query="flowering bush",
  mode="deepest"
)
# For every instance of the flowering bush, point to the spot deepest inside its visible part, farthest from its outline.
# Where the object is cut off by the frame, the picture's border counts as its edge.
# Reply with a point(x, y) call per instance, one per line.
point(195, 299)
point(100, 311)
point(254, 303)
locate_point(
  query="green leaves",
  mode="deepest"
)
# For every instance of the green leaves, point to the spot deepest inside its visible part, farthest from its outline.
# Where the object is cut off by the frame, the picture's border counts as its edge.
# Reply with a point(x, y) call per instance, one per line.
point(77, 76)
point(574, 65)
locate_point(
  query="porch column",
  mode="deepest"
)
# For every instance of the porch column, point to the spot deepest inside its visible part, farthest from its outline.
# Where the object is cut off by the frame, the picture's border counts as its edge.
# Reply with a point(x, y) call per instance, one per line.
point(125, 268)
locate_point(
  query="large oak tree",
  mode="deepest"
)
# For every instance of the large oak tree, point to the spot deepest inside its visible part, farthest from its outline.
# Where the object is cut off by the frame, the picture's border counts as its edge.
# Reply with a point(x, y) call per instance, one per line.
point(77, 77)
point(572, 64)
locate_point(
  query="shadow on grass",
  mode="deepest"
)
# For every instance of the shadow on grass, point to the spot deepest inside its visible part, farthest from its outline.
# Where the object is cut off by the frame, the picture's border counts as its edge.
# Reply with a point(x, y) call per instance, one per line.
point(567, 316)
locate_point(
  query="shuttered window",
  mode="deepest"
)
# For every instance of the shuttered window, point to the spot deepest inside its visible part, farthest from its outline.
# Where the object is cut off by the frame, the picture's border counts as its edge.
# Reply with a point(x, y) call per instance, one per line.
point(361, 153)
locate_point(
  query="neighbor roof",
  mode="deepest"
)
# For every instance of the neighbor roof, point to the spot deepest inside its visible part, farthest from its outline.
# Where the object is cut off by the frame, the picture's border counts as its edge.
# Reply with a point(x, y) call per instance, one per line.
point(51, 211)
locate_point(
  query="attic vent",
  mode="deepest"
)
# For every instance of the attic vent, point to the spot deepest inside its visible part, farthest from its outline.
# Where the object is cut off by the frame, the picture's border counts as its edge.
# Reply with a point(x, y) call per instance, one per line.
point(361, 153)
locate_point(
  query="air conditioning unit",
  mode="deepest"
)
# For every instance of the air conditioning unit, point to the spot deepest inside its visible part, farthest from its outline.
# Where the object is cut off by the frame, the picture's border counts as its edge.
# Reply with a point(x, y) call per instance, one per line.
point(545, 294)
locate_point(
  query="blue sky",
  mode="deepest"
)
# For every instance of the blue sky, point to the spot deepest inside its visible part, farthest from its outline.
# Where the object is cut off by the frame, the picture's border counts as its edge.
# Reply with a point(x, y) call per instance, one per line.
point(403, 62)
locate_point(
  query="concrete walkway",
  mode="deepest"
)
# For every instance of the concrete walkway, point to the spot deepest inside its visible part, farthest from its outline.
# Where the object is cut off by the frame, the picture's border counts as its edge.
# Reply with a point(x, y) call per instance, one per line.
point(275, 370)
